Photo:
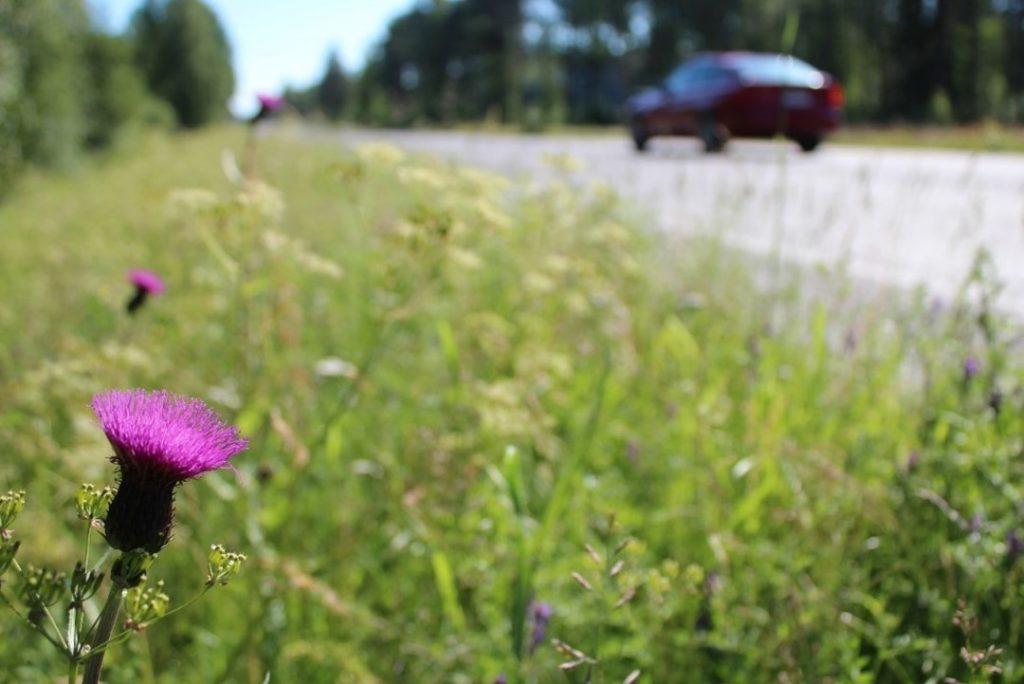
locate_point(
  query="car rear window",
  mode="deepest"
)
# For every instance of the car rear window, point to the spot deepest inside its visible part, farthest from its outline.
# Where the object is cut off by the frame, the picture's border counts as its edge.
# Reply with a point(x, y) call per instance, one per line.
point(780, 70)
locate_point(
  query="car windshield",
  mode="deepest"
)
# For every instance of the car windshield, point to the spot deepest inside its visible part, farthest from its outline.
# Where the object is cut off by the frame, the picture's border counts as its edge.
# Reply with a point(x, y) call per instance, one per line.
point(778, 70)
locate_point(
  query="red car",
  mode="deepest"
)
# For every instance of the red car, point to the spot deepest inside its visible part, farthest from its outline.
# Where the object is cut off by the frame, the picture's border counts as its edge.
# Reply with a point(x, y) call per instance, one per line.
point(715, 96)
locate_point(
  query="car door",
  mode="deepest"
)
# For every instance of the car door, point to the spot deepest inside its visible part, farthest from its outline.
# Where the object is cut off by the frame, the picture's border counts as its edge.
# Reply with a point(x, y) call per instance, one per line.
point(669, 118)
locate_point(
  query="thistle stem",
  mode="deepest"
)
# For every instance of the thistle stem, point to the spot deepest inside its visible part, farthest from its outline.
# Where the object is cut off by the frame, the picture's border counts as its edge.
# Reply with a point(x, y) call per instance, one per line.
point(106, 625)
point(73, 671)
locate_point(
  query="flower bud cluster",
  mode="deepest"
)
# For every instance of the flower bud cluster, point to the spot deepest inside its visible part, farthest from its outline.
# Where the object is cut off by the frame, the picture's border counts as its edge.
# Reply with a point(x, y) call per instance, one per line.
point(11, 504)
point(42, 587)
point(145, 604)
point(92, 503)
point(223, 565)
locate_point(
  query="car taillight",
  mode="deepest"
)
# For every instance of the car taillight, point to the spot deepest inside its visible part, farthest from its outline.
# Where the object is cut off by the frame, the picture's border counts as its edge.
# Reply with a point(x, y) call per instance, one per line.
point(835, 95)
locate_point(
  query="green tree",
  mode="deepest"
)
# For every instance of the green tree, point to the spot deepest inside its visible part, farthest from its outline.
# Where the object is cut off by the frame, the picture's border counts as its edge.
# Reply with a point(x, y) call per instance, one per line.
point(117, 94)
point(185, 57)
point(42, 118)
point(332, 93)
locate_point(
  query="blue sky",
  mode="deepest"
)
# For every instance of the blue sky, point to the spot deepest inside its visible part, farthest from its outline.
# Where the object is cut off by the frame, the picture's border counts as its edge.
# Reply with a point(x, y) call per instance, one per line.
point(280, 42)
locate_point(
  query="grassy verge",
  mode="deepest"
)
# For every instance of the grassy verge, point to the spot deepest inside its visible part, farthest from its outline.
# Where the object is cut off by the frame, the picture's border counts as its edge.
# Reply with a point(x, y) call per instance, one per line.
point(981, 138)
point(461, 392)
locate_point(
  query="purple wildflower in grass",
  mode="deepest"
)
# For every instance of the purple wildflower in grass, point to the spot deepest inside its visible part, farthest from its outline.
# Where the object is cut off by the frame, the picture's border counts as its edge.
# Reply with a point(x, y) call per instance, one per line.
point(502, 678)
point(146, 283)
point(271, 102)
point(972, 366)
point(160, 440)
point(913, 459)
point(540, 615)
point(1014, 546)
point(851, 340)
point(269, 105)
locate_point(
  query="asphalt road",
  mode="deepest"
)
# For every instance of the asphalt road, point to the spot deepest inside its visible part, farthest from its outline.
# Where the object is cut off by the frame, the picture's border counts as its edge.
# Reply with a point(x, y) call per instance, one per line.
point(888, 216)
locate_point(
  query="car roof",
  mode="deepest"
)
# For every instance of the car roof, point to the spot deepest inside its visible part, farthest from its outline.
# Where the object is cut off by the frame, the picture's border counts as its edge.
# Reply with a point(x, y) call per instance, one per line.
point(765, 67)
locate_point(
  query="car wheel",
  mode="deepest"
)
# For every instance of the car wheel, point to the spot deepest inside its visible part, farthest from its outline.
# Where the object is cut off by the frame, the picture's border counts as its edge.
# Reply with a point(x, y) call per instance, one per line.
point(712, 134)
point(640, 136)
point(809, 144)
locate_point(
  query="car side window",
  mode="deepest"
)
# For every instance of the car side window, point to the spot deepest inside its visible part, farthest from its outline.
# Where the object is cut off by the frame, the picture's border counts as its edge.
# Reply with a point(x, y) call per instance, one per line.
point(680, 80)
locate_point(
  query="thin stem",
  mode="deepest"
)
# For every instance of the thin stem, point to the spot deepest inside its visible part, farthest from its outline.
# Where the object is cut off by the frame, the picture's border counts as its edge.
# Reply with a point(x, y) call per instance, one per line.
point(88, 539)
point(106, 625)
point(72, 670)
point(98, 648)
point(56, 628)
point(184, 605)
point(33, 625)
point(79, 619)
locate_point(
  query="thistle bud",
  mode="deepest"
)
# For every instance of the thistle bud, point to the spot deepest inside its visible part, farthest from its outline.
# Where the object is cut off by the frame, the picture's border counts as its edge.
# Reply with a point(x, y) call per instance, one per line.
point(222, 565)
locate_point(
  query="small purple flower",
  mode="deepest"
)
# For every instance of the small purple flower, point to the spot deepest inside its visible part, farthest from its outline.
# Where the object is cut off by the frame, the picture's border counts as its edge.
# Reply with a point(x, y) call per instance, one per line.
point(851, 339)
point(1014, 545)
point(913, 458)
point(972, 366)
point(271, 102)
point(502, 678)
point(540, 615)
point(146, 283)
point(160, 440)
point(269, 105)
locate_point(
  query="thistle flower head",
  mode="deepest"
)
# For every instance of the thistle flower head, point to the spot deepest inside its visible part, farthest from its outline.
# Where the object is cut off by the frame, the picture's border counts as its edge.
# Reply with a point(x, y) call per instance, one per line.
point(269, 106)
point(148, 281)
point(271, 102)
point(160, 440)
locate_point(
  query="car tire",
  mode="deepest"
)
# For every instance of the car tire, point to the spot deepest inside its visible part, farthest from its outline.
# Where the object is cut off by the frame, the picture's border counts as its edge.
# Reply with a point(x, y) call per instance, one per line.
point(809, 144)
point(712, 134)
point(640, 136)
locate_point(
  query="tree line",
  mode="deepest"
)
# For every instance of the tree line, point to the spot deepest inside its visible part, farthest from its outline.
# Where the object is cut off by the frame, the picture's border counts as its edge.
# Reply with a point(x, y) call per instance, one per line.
point(539, 62)
point(66, 86)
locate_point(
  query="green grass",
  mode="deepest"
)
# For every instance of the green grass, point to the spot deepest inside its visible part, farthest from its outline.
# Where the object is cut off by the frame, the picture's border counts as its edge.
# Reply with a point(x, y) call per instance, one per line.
point(528, 373)
point(989, 137)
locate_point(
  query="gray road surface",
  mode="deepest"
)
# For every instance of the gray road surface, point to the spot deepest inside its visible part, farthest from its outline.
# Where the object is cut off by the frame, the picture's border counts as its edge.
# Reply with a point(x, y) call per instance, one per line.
point(890, 216)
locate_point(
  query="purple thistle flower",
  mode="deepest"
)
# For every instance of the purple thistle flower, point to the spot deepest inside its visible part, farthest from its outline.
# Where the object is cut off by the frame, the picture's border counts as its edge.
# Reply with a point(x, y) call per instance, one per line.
point(540, 614)
point(269, 105)
point(160, 440)
point(147, 280)
point(972, 366)
point(271, 102)
point(146, 283)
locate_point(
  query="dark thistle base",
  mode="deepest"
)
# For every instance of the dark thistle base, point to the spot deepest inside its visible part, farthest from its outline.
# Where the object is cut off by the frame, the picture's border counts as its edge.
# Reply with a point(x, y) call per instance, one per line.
point(142, 511)
point(137, 300)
